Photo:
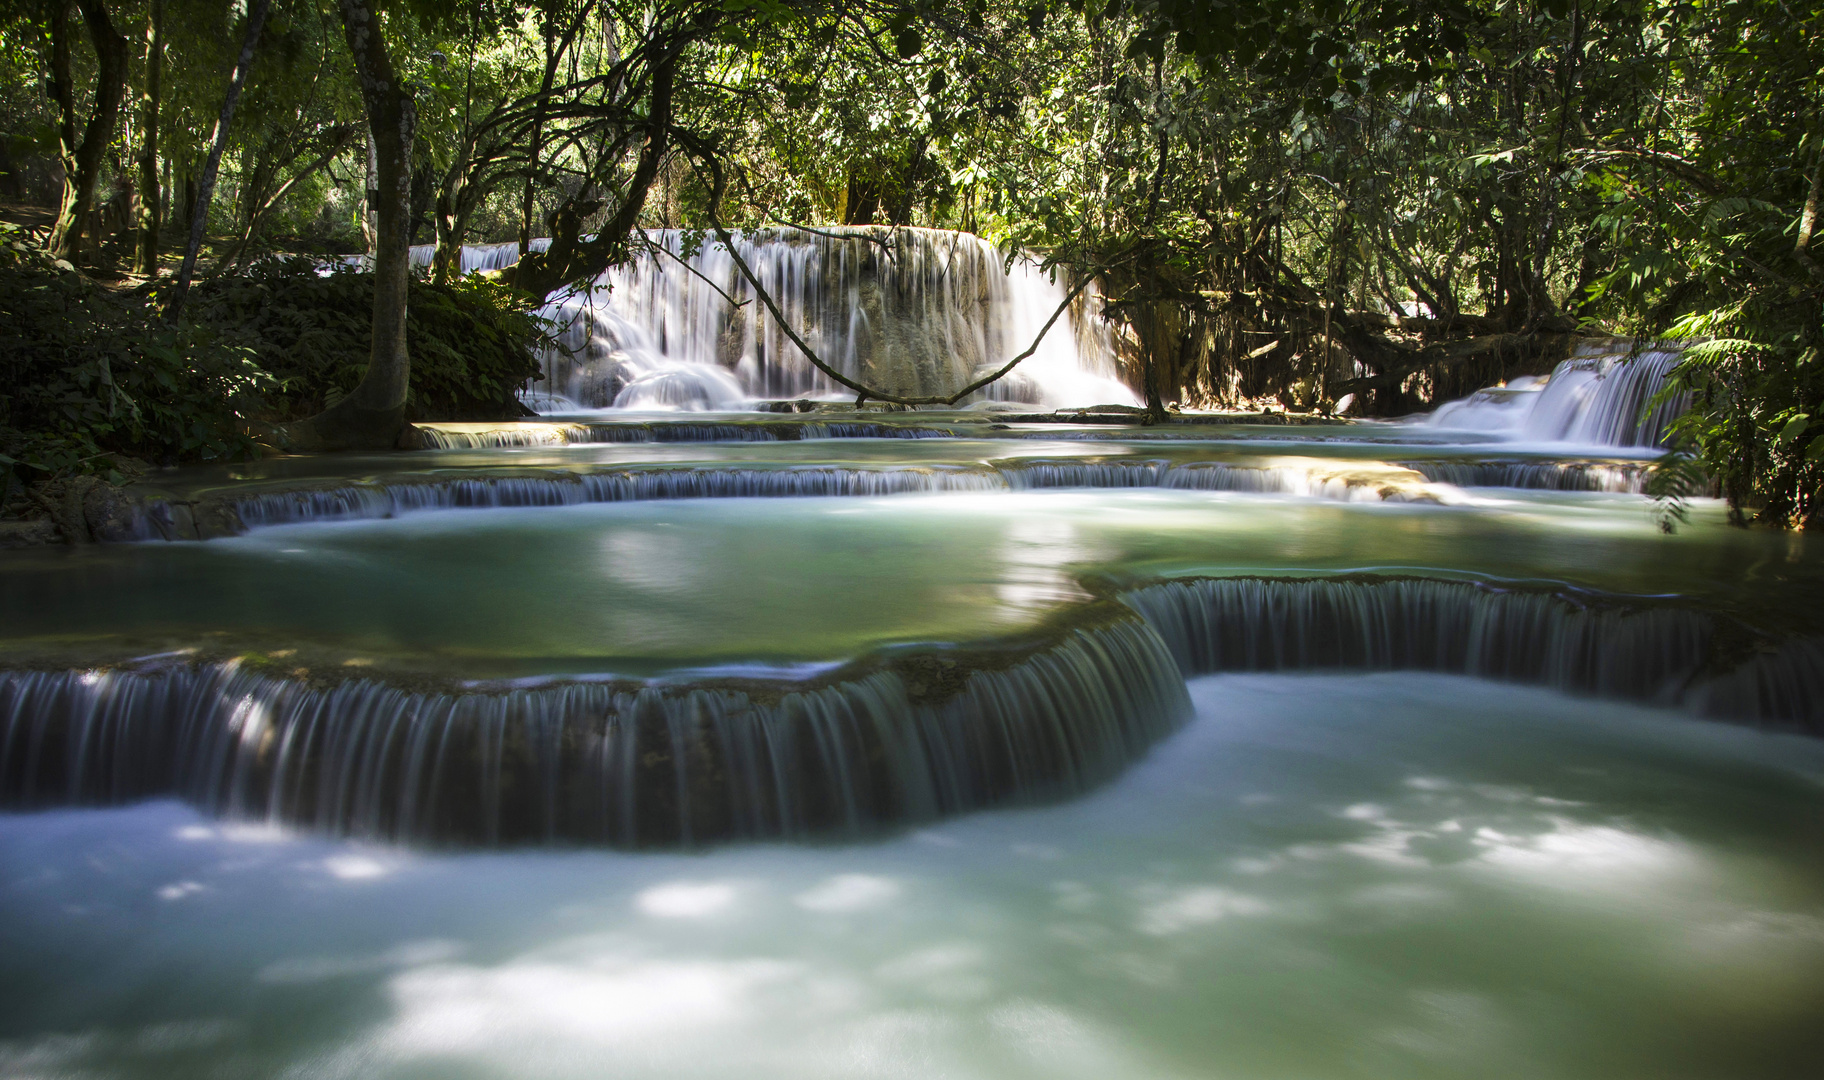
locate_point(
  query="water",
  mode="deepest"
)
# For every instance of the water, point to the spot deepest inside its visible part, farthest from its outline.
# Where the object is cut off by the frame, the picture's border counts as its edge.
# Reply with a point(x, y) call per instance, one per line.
point(912, 739)
point(1392, 875)
point(637, 587)
point(911, 312)
point(664, 673)
point(1604, 395)
point(532, 472)
point(938, 743)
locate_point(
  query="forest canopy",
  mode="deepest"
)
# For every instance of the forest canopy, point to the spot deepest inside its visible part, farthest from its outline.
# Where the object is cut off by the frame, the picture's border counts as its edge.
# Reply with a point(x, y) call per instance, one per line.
point(1396, 202)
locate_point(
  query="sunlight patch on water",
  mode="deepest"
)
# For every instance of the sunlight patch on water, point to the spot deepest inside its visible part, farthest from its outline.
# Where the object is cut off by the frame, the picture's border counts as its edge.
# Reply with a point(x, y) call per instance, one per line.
point(1402, 875)
point(687, 899)
point(847, 893)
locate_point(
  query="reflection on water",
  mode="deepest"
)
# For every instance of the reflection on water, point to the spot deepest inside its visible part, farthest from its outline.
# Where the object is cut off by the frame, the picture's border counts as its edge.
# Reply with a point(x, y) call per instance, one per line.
point(1392, 875)
point(636, 586)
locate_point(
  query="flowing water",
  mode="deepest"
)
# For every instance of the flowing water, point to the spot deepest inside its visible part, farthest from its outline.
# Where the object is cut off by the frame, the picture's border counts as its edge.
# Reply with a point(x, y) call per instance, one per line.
point(911, 312)
point(951, 742)
point(1320, 876)
point(1607, 394)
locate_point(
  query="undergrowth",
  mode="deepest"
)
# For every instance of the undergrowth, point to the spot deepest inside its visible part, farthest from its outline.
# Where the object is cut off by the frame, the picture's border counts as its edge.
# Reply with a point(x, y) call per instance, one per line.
point(90, 373)
point(472, 341)
point(91, 376)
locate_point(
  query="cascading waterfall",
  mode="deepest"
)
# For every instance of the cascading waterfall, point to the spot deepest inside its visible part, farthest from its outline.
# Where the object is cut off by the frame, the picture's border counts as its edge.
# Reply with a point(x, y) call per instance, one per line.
point(498, 436)
point(345, 503)
point(1601, 396)
point(1568, 640)
point(905, 737)
point(636, 765)
point(917, 312)
point(1627, 478)
point(477, 257)
point(1340, 481)
point(1345, 481)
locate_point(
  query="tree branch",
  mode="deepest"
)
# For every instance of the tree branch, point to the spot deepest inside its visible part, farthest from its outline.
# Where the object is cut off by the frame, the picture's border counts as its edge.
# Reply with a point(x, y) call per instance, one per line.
point(718, 184)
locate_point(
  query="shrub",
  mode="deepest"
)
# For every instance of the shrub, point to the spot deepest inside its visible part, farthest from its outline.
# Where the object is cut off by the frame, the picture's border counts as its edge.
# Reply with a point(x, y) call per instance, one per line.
point(473, 342)
point(88, 373)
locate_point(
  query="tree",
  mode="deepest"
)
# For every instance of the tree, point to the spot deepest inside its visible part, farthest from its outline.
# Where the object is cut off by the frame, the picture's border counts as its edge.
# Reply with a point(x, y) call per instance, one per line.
point(199, 217)
point(373, 415)
point(82, 159)
point(145, 248)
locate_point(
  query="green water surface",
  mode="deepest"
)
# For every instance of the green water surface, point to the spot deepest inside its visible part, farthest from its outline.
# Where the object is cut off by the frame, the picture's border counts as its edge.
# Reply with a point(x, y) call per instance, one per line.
point(638, 587)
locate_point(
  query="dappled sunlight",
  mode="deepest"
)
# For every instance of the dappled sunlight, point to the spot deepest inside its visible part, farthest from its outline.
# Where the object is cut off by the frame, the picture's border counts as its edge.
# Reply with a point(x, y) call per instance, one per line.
point(1512, 830)
point(356, 867)
point(1037, 556)
point(1192, 906)
point(847, 893)
point(1404, 855)
point(687, 899)
point(608, 998)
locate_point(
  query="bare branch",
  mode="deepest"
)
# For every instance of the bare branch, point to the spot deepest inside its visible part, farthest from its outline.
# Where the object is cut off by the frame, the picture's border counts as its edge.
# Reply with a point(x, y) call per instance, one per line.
point(718, 184)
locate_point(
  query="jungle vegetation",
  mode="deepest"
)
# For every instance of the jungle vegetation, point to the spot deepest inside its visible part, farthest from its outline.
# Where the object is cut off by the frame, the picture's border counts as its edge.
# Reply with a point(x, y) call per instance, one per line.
point(1398, 200)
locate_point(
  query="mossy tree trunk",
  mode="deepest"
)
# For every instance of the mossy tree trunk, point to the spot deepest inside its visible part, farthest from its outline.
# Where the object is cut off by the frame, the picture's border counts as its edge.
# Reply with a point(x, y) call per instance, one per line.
point(372, 416)
point(82, 160)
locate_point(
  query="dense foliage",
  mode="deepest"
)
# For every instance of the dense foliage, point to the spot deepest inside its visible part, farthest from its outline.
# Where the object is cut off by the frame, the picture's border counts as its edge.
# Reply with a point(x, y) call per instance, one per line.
point(473, 341)
point(90, 373)
point(94, 376)
point(1394, 200)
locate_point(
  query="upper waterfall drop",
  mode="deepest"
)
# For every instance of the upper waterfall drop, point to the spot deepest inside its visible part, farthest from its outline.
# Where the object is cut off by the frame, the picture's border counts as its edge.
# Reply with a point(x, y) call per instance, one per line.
point(1601, 396)
point(909, 311)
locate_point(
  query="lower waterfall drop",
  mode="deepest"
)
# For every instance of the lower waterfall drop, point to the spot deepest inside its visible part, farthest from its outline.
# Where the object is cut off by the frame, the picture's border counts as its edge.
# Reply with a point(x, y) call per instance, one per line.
point(655, 765)
point(1567, 640)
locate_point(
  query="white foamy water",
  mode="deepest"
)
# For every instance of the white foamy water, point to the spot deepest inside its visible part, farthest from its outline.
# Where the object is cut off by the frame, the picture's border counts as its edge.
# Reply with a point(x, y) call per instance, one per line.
point(914, 312)
point(1391, 875)
point(1602, 396)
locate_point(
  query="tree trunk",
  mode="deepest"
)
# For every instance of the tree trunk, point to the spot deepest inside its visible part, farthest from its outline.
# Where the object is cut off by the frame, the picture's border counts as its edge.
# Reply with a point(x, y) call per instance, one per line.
point(336, 141)
point(451, 218)
point(862, 202)
point(82, 161)
point(370, 195)
point(205, 190)
point(145, 252)
point(372, 416)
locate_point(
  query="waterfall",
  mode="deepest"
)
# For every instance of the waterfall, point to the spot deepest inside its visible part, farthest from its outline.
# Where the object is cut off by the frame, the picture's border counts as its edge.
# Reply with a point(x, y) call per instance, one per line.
point(1598, 397)
point(904, 739)
point(458, 436)
point(1566, 639)
point(913, 312)
point(1342, 480)
point(905, 736)
point(475, 257)
point(565, 489)
point(1620, 478)
point(231, 512)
